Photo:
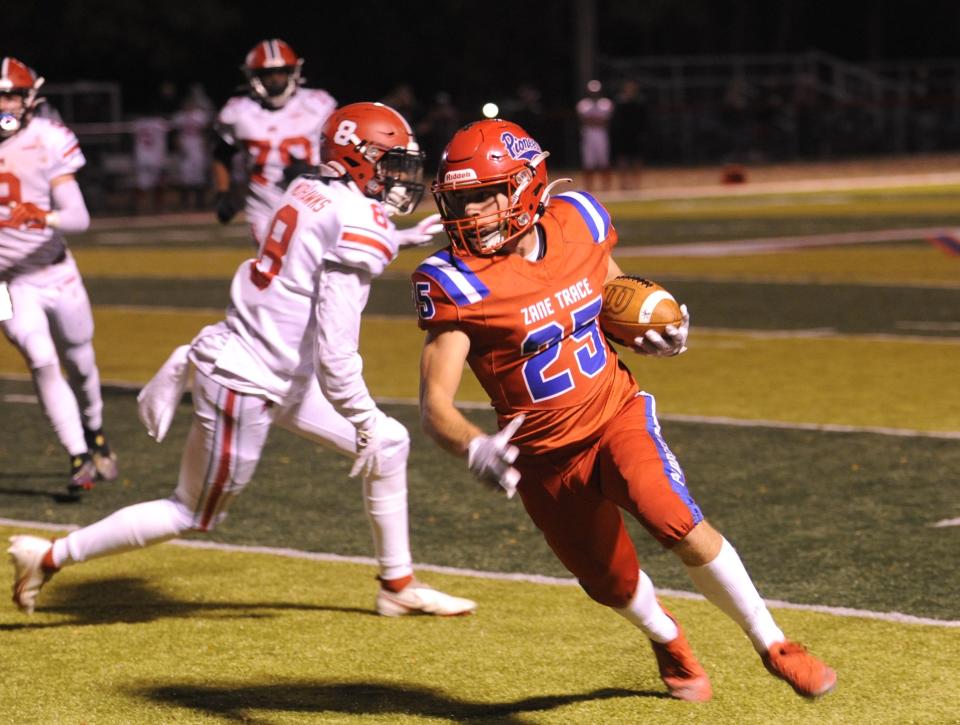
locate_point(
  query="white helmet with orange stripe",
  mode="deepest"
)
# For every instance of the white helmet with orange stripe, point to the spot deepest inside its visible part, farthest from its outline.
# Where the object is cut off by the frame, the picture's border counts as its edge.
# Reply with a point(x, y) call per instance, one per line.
point(273, 72)
point(18, 95)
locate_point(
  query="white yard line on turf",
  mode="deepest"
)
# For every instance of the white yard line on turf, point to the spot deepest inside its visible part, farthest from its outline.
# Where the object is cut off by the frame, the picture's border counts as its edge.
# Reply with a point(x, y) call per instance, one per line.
point(897, 617)
point(678, 417)
point(800, 186)
point(944, 523)
point(774, 244)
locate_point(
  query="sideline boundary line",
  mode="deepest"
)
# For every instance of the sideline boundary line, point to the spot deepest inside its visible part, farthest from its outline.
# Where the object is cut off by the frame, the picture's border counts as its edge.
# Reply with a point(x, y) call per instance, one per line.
point(895, 617)
point(127, 387)
point(766, 245)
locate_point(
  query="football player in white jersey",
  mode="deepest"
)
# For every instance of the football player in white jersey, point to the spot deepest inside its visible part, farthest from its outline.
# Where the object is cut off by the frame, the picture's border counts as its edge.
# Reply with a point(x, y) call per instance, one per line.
point(287, 355)
point(44, 309)
point(276, 126)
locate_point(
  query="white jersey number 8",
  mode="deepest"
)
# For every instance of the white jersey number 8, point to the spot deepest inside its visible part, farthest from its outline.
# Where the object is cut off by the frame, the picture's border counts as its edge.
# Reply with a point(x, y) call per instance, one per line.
point(344, 132)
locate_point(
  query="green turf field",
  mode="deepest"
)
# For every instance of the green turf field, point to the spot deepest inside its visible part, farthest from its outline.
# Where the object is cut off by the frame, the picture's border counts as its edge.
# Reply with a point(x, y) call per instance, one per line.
point(865, 336)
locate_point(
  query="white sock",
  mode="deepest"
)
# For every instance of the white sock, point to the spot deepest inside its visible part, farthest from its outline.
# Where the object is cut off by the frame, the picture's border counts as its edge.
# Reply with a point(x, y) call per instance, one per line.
point(61, 407)
point(726, 583)
point(385, 501)
point(84, 378)
point(133, 527)
point(645, 612)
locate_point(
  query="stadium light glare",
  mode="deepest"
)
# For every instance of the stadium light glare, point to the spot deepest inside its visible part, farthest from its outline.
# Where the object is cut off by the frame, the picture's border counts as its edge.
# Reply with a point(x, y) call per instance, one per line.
point(490, 110)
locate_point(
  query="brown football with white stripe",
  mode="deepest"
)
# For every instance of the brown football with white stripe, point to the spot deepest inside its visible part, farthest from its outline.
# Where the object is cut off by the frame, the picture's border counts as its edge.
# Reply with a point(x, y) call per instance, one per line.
point(632, 305)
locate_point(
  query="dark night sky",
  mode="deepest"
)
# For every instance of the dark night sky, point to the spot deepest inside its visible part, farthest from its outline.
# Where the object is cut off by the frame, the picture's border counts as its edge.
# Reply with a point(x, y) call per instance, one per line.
point(360, 49)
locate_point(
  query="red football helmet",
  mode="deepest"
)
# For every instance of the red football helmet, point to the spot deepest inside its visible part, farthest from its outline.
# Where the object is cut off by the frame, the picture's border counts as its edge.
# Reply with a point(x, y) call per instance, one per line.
point(372, 145)
point(17, 79)
point(273, 72)
point(484, 160)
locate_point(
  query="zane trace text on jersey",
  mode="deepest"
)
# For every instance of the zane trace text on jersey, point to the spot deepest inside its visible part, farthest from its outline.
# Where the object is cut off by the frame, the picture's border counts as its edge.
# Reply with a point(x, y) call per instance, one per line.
point(535, 343)
point(265, 343)
point(29, 161)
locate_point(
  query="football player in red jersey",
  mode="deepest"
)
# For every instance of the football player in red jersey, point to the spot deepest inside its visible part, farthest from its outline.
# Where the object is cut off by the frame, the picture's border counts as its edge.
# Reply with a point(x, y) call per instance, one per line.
point(44, 308)
point(516, 296)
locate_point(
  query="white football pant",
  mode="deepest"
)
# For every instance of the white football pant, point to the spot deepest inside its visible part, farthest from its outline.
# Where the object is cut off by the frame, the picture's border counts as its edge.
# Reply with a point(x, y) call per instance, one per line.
point(223, 447)
point(52, 325)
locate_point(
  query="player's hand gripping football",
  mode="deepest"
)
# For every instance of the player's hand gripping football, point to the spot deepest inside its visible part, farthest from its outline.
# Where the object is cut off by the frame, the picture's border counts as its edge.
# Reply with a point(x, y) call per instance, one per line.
point(672, 342)
point(26, 214)
point(423, 233)
point(489, 458)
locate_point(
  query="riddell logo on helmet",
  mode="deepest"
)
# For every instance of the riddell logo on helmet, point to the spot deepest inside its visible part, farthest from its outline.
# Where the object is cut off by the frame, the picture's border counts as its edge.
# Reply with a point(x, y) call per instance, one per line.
point(520, 148)
point(457, 175)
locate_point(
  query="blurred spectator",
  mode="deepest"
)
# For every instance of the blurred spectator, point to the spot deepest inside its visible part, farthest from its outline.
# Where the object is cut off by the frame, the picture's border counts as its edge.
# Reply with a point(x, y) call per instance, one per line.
point(806, 113)
point(526, 110)
point(594, 112)
point(191, 125)
point(736, 116)
point(402, 99)
point(441, 121)
point(149, 162)
point(167, 98)
point(628, 132)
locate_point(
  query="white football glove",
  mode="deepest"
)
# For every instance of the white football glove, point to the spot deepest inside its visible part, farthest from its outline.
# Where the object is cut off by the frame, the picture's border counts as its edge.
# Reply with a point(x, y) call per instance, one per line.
point(370, 440)
point(423, 233)
point(158, 400)
point(672, 342)
point(489, 458)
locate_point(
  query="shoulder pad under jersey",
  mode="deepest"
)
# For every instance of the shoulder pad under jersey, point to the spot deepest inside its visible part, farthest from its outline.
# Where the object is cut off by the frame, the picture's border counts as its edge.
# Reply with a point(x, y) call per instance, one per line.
point(585, 208)
point(458, 282)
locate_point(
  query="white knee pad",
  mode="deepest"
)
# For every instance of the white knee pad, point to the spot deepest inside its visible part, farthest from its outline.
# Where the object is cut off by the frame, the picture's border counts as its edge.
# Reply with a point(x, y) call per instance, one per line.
point(40, 352)
point(396, 447)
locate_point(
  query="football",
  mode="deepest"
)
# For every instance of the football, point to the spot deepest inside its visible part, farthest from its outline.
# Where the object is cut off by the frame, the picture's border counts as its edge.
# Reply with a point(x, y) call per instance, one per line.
point(632, 305)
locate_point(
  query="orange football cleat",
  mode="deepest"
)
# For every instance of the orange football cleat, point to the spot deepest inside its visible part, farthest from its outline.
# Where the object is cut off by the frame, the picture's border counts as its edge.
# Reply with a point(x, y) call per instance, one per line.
point(792, 663)
point(680, 670)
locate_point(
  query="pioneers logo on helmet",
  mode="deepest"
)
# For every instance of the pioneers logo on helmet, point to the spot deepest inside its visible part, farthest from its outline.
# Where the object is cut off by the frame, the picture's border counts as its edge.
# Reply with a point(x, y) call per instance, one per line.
point(523, 147)
point(457, 175)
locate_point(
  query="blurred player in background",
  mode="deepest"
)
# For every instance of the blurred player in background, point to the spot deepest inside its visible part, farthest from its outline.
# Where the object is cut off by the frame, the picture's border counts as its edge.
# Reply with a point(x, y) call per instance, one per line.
point(191, 125)
point(301, 300)
point(595, 112)
point(150, 162)
point(44, 309)
point(276, 125)
point(516, 296)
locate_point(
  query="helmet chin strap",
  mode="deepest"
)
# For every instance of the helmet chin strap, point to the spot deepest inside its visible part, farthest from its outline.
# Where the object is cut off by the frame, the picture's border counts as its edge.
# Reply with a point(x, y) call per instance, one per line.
point(546, 192)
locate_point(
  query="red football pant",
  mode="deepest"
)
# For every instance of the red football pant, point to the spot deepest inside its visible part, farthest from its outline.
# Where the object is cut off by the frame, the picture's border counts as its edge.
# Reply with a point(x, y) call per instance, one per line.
point(575, 497)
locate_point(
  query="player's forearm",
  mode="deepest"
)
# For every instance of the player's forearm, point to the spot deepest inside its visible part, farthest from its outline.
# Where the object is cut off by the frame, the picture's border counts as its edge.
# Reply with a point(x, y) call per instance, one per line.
point(69, 210)
point(221, 176)
point(441, 369)
point(447, 426)
point(342, 383)
point(341, 298)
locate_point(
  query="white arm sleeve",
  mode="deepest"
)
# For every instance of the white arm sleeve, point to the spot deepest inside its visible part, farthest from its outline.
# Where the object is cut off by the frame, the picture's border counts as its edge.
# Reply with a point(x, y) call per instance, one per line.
point(342, 295)
point(69, 210)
